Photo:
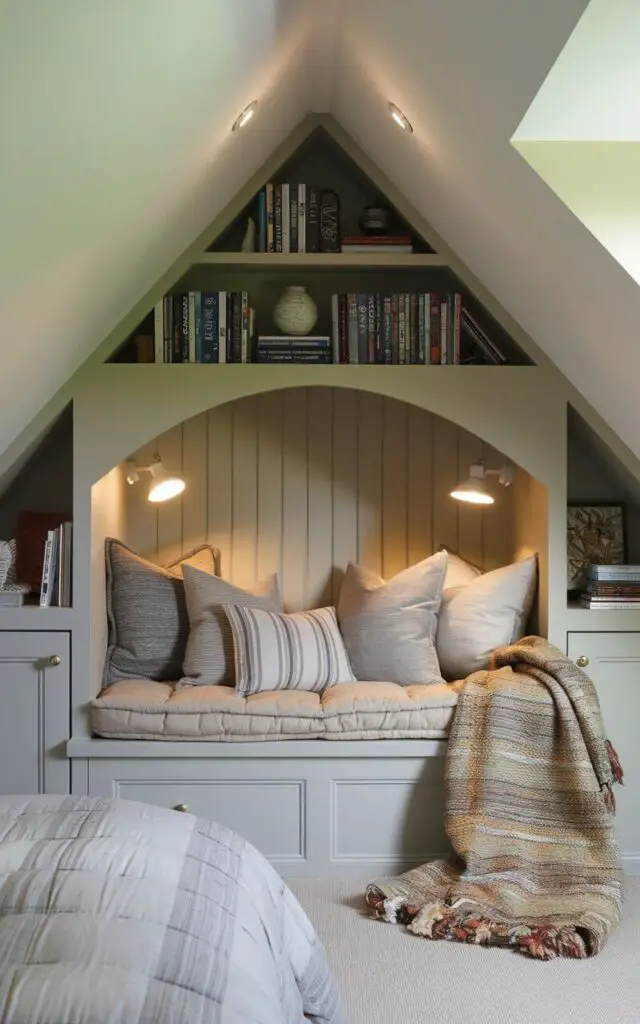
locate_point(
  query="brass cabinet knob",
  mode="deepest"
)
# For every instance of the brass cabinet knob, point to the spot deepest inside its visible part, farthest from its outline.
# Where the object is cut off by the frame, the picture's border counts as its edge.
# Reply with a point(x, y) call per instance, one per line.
point(582, 661)
point(54, 660)
point(182, 807)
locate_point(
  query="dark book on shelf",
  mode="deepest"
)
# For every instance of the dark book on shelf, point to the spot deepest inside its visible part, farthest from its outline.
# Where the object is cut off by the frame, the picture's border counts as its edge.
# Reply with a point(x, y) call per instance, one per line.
point(329, 221)
point(293, 217)
point(277, 217)
point(313, 219)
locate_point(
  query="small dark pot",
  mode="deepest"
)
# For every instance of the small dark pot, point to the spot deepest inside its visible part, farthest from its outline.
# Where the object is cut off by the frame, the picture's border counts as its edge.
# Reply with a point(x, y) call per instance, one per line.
point(375, 220)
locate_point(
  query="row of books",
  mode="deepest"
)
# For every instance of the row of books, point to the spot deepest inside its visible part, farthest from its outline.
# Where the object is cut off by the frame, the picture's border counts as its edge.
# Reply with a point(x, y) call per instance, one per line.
point(289, 218)
point(403, 328)
point(203, 327)
point(612, 587)
point(55, 588)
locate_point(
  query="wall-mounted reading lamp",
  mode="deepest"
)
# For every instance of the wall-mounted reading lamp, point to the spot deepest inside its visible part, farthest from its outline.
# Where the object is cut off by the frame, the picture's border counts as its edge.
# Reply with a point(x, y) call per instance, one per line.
point(474, 489)
point(162, 486)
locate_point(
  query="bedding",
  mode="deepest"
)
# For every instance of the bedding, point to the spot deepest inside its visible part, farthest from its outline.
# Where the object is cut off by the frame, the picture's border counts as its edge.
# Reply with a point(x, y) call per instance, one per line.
point(138, 709)
point(119, 912)
point(147, 619)
point(389, 626)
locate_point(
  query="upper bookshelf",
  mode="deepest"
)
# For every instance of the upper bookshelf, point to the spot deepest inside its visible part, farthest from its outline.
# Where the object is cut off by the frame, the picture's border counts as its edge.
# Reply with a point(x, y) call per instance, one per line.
point(373, 288)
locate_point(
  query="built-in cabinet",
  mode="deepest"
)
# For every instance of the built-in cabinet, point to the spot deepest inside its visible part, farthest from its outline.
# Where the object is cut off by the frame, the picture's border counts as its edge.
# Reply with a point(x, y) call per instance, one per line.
point(34, 722)
point(612, 660)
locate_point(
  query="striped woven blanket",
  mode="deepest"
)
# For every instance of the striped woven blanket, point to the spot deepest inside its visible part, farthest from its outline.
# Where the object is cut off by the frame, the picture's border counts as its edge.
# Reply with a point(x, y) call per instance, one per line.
point(528, 810)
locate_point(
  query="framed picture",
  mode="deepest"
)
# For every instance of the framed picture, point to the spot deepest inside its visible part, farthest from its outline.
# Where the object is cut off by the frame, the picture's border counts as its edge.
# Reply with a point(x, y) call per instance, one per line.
point(595, 534)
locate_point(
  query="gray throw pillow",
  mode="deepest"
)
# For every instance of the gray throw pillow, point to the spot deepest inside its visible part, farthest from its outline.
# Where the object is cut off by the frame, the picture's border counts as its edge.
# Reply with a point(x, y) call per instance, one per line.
point(389, 627)
point(210, 658)
point(148, 625)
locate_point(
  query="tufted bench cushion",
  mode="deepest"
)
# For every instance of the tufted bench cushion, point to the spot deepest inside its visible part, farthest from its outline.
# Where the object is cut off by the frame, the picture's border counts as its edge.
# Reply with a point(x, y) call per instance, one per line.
point(139, 709)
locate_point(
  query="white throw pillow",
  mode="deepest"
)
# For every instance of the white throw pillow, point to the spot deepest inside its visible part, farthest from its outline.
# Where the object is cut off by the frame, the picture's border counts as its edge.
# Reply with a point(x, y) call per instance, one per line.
point(389, 627)
point(459, 572)
point(489, 611)
point(300, 651)
point(209, 657)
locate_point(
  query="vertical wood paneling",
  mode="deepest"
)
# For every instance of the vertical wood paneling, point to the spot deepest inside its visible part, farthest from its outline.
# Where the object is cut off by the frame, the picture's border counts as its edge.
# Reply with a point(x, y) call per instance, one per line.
point(302, 481)
point(170, 544)
point(295, 494)
point(141, 517)
point(420, 485)
point(244, 485)
point(370, 481)
point(445, 478)
point(320, 520)
point(219, 490)
point(195, 461)
point(345, 489)
point(394, 487)
point(470, 517)
point(497, 525)
point(269, 529)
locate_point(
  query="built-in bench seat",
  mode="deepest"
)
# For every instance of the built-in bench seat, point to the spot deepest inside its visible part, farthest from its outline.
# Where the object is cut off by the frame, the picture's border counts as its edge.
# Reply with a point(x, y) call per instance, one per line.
point(139, 709)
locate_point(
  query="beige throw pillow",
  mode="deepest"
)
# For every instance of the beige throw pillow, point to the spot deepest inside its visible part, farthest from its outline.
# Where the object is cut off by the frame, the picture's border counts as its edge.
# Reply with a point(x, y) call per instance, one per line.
point(389, 627)
point(489, 611)
point(209, 658)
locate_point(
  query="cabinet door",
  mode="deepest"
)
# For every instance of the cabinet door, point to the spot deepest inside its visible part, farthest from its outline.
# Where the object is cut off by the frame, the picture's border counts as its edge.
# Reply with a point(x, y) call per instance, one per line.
point(34, 712)
point(614, 667)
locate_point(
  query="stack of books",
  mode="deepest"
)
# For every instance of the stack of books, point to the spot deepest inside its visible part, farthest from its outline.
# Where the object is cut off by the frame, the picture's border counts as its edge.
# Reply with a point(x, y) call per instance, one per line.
point(405, 328)
point(55, 588)
point(377, 243)
point(283, 348)
point(203, 327)
point(289, 218)
point(612, 587)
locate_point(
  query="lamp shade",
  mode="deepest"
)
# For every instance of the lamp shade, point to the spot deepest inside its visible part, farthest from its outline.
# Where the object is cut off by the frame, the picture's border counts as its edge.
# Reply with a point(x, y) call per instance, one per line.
point(162, 485)
point(473, 491)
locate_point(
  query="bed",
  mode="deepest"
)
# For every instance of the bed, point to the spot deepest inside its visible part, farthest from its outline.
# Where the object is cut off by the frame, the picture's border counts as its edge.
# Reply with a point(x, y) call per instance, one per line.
point(116, 911)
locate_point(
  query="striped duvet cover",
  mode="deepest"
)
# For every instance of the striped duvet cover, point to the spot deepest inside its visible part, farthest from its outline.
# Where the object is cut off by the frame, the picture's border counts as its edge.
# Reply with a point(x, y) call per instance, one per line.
point(119, 912)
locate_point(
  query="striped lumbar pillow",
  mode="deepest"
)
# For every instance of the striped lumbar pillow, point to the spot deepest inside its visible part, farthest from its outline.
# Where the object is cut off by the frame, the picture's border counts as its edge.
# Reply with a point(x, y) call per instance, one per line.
point(302, 651)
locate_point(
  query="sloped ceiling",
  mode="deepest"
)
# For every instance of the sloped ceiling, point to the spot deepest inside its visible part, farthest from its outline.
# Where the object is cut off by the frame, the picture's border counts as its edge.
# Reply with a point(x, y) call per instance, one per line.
point(116, 122)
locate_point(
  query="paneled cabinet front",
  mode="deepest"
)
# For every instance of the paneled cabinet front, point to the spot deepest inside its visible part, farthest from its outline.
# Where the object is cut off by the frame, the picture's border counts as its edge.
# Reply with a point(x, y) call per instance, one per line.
point(612, 660)
point(34, 723)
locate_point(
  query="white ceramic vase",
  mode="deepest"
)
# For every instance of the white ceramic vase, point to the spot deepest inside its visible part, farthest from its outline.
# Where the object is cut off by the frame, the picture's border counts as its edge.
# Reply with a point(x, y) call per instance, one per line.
point(295, 311)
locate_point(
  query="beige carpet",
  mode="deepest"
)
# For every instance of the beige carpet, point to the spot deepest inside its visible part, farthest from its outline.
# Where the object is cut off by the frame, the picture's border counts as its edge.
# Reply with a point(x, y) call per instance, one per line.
point(388, 976)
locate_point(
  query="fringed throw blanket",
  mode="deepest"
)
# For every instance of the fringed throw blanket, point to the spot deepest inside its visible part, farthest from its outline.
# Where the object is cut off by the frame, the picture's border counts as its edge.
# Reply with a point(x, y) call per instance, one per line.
point(528, 810)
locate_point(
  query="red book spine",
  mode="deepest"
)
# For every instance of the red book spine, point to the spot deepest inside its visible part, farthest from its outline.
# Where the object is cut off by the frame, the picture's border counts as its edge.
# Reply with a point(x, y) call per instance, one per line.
point(436, 355)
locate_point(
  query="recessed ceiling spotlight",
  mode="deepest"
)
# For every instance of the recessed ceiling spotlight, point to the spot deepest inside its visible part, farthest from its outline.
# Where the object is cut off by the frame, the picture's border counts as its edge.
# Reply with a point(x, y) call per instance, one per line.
point(400, 119)
point(245, 116)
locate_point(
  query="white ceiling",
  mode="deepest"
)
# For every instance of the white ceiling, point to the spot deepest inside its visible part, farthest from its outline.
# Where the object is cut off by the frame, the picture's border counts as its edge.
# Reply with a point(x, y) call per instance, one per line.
point(117, 151)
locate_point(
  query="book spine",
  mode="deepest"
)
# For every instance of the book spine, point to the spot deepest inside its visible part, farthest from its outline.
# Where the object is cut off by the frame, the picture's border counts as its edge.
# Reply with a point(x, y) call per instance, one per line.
point(335, 328)
point(286, 217)
point(451, 329)
point(377, 341)
point(209, 327)
point(434, 330)
point(68, 563)
point(302, 344)
point(184, 329)
point(198, 308)
point(59, 595)
point(262, 220)
point(277, 217)
point(244, 329)
point(371, 329)
point(363, 338)
point(293, 217)
point(402, 331)
point(270, 225)
point(457, 327)
point(421, 330)
point(395, 343)
point(223, 329)
point(313, 219)
point(47, 571)
point(387, 331)
point(352, 320)
point(302, 217)
point(192, 328)
point(176, 340)
point(443, 331)
point(236, 327)
point(329, 221)
point(323, 358)
point(158, 331)
point(413, 328)
point(343, 319)
point(168, 328)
